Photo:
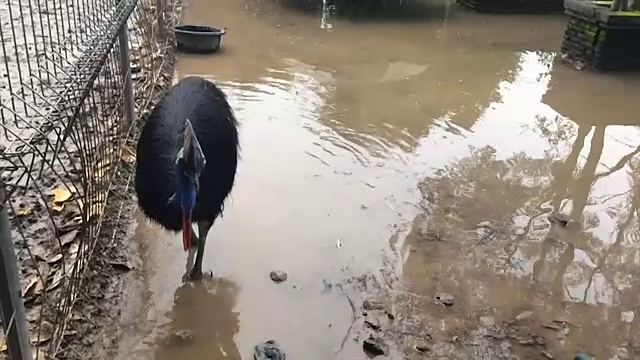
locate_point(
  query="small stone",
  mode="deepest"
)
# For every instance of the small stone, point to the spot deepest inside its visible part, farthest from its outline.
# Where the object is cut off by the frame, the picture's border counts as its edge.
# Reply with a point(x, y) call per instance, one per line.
point(627, 316)
point(181, 337)
point(373, 304)
point(422, 348)
point(390, 315)
point(547, 354)
point(622, 353)
point(445, 299)
point(268, 350)
point(278, 276)
point(373, 324)
point(487, 321)
point(583, 356)
point(375, 346)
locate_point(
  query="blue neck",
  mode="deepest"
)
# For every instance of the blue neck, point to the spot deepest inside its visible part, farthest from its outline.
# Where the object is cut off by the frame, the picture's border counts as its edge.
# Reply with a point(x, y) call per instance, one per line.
point(186, 192)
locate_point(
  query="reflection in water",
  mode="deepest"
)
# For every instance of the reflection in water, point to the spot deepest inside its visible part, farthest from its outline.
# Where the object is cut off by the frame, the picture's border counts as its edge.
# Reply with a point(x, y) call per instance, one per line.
point(499, 202)
point(203, 323)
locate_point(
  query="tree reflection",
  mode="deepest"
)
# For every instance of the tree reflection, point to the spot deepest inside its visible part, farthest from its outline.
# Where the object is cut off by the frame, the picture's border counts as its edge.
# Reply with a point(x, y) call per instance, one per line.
point(503, 209)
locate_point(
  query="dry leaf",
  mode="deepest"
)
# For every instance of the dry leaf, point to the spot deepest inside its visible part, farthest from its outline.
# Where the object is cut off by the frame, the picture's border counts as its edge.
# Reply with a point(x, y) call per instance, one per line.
point(68, 238)
point(33, 313)
point(39, 355)
point(73, 249)
point(70, 333)
point(28, 282)
point(54, 259)
point(57, 278)
point(3, 344)
point(128, 156)
point(61, 195)
point(34, 288)
point(120, 266)
point(24, 212)
point(57, 207)
point(42, 334)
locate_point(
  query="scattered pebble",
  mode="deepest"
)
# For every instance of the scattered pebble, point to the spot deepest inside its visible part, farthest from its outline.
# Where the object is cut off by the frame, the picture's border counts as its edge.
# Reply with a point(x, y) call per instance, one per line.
point(268, 350)
point(621, 354)
point(583, 356)
point(373, 304)
point(390, 315)
point(278, 276)
point(445, 299)
point(375, 346)
point(547, 354)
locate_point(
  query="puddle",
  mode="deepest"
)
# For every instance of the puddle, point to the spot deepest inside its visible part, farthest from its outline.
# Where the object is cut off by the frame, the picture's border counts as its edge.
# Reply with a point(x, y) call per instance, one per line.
point(460, 138)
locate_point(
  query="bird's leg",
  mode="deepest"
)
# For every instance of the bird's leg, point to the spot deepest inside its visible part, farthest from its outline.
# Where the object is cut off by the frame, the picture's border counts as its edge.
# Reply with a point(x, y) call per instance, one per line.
point(193, 247)
point(203, 231)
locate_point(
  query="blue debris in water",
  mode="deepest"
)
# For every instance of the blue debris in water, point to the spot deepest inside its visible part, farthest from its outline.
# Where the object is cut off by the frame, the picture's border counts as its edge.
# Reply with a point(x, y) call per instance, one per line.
point(583, 356)
point(268, 350)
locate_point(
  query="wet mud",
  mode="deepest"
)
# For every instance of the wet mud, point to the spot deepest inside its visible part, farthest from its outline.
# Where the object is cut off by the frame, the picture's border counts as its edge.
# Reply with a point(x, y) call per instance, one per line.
point(437, 189)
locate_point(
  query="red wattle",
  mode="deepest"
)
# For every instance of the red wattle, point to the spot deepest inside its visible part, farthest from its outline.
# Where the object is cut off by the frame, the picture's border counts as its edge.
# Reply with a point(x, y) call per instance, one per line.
point(186, 231)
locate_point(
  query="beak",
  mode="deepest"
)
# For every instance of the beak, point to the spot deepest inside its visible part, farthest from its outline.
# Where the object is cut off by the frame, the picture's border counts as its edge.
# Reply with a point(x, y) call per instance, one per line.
point(189, 135)
point(193, 155)
point(186, 230)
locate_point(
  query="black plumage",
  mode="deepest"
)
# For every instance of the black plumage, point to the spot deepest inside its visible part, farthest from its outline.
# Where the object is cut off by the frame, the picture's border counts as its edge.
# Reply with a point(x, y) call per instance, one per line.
point(162, 138)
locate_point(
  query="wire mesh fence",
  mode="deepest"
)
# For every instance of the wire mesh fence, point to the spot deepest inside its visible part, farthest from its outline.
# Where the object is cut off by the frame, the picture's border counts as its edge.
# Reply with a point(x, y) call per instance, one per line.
point(75, 75)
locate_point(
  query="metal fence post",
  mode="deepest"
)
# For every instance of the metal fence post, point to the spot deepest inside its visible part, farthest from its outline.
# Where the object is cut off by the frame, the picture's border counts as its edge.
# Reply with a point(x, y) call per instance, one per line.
point(14, 319)
point(125, 58)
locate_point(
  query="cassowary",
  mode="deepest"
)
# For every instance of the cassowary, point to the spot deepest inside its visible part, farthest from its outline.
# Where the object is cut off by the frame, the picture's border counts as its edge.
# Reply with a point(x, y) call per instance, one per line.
point(186, 162)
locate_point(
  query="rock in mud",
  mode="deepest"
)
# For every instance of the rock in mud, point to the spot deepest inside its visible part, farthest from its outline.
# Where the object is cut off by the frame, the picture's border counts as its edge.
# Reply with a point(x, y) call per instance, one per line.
point(583, 356)
point(559, 218)
point(373, 303)
point(621, 354)
point(181, 337)
point(390, 315)
point(375, 346)
point(487, 321)
point(445, 299)
point(278, 276)
point(373, 324)
point(524, 316)
point(422, 348)
point(268, 350)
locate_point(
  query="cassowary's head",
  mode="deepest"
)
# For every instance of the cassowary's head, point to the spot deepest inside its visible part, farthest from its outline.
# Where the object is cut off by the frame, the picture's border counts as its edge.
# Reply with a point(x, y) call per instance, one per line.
point(189, 164)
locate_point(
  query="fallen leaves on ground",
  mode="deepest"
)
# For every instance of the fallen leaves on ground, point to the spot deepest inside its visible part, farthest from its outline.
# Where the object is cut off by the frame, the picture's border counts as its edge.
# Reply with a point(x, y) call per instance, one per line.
point(43, 333)
point(128, 156)
point(120, 266)
point(60, 196)
point(31, 286)
point(24, 211)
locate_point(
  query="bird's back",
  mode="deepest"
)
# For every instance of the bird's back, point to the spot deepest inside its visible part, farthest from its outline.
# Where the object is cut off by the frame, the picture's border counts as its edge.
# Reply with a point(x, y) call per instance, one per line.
point(215, 126)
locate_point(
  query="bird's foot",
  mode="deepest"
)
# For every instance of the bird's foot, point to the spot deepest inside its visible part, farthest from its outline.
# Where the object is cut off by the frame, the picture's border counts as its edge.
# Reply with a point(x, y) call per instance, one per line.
point(196, 274)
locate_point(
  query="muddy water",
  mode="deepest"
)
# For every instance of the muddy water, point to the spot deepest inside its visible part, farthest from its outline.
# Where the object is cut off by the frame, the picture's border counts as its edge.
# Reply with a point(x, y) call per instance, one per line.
point(405, 158)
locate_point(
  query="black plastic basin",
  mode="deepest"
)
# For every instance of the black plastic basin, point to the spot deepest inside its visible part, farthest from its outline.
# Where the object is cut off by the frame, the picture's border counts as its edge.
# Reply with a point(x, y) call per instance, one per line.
point(198, 39)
